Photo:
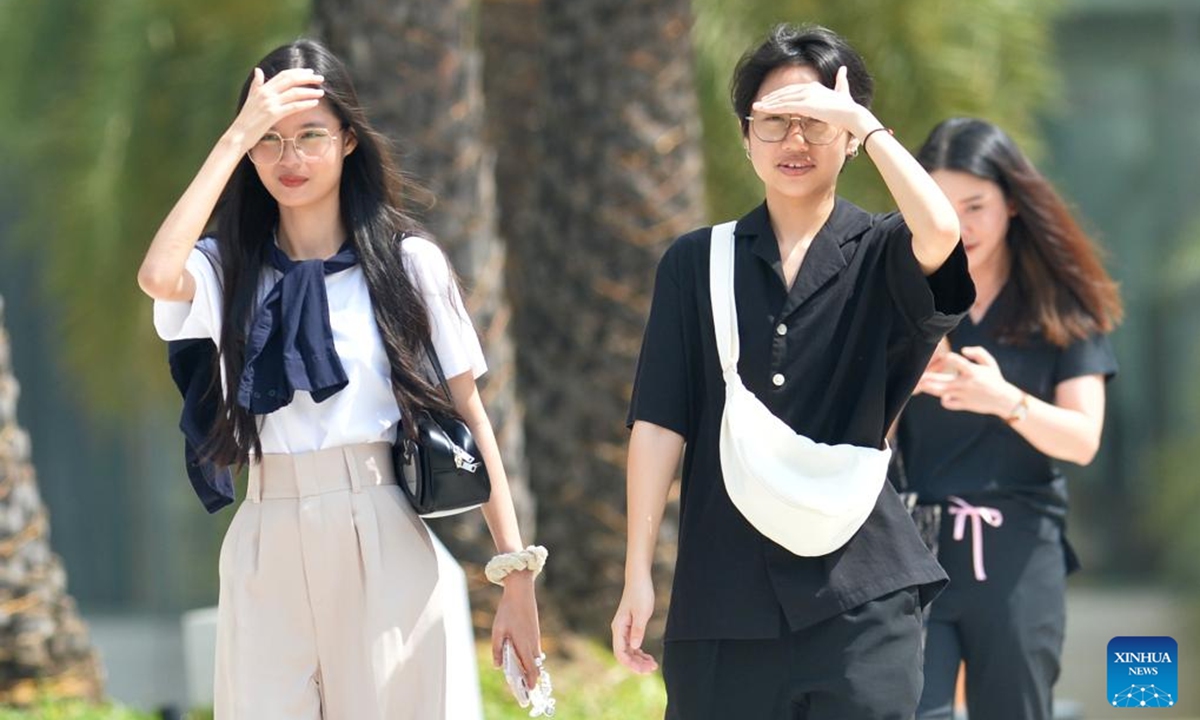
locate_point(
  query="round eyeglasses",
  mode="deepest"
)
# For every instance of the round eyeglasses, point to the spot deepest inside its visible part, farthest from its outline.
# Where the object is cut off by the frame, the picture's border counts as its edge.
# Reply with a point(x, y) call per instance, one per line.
point(774, 128)
point(310, 145)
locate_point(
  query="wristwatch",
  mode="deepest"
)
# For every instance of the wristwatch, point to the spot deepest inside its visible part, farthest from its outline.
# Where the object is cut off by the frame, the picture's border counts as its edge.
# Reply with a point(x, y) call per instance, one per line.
point(1020, 411)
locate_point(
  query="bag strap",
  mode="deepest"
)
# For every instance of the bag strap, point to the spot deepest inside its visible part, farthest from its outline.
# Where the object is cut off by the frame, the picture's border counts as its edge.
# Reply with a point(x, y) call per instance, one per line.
point(724, 306)
point(437, 367)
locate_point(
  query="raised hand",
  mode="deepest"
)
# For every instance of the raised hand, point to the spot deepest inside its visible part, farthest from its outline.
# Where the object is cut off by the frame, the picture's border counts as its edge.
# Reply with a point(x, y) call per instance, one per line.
point(814, 100)
point(269, 101)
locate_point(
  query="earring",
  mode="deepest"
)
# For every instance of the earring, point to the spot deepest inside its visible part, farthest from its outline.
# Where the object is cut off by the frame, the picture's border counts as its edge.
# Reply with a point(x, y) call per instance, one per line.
point(747, 153)
point(852, 154)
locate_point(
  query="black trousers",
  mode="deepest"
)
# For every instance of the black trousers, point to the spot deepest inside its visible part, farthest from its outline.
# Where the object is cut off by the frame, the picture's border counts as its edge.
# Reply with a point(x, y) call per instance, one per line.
point(862, 665)
point(1007, 629)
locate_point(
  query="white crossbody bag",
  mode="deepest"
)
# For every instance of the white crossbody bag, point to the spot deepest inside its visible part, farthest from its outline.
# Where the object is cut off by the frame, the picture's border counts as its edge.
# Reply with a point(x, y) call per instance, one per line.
point(807, 496)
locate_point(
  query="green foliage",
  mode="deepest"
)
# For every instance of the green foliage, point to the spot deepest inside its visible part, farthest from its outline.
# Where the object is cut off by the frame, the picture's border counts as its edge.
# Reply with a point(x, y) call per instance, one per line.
point(931, 59)
point(111, 107)
point(588, 685)
point(71, 710)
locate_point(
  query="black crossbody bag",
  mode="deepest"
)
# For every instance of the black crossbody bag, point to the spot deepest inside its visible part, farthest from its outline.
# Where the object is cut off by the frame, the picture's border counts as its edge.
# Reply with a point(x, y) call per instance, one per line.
point(441, 472)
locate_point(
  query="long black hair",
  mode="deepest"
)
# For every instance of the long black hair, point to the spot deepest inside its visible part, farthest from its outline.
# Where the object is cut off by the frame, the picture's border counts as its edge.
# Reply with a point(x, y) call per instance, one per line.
point(372, 215)
point(1066, 294)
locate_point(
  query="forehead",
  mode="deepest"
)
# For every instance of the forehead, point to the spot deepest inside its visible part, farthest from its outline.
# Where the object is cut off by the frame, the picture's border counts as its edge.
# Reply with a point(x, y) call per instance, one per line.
point(321, 116)
point(960, 185)
point(787, 75)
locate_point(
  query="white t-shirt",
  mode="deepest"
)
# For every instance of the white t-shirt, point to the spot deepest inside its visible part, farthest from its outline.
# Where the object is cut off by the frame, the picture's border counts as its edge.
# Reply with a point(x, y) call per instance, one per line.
point(365, 410)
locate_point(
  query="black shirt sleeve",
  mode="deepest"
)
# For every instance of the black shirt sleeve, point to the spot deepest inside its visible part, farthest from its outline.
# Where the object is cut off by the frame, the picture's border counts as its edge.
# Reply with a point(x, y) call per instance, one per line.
point(932, 305)
point(661, 384)
point(1090, 356)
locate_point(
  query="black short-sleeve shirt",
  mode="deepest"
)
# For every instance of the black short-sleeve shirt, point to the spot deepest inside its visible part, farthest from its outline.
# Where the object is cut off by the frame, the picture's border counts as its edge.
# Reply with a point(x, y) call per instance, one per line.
point(976, 456)
point(835, 357)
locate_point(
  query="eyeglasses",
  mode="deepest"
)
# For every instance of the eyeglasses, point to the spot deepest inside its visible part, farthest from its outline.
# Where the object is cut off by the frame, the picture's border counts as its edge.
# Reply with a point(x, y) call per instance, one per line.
point(310, 145)
point(774, 128)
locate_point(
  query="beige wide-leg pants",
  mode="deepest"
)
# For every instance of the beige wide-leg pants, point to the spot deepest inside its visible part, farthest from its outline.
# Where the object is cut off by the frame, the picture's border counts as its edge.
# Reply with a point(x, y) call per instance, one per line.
point(329, 595)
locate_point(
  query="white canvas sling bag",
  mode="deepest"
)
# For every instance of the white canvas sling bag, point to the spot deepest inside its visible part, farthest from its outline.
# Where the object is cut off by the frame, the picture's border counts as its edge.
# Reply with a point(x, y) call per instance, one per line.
point(807, 496)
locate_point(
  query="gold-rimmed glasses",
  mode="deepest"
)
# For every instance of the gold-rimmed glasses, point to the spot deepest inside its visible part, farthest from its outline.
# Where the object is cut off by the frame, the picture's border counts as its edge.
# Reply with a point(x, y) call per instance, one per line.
point(774, 128)
point(310, 145)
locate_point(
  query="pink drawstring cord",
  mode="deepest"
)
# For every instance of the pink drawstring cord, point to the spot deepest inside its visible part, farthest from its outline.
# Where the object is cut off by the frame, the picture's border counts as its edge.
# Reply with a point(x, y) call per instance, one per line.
point(961, 510)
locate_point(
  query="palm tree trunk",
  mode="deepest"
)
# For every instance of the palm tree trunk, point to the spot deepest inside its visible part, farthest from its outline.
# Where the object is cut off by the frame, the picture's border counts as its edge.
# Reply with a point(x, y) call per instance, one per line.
point(44, 645)
point(610, 142)
point(416, 69)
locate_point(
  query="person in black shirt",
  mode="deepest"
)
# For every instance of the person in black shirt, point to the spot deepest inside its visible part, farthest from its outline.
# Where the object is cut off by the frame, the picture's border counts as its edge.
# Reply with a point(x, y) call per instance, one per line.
point(1020, 386)
point(838, 313)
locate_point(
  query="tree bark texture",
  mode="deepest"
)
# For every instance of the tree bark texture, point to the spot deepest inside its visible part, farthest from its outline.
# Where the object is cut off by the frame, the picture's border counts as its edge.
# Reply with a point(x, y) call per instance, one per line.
point(44, 645)
point(604, 167)
point(417, 71)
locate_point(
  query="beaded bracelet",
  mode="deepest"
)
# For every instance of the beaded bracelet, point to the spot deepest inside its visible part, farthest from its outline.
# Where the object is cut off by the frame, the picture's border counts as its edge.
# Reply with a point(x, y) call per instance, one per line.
point(867, 137)
point(531, 558)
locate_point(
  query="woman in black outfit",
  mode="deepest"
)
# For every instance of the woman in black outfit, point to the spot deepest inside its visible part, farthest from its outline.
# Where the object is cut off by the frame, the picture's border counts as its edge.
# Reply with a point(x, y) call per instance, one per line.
point(1020, 386)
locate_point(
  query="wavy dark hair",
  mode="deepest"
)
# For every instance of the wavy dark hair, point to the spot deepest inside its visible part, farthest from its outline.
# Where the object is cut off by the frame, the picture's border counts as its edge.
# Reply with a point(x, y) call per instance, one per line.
point(372, 214)
point(1065, 292)
point(812, 45)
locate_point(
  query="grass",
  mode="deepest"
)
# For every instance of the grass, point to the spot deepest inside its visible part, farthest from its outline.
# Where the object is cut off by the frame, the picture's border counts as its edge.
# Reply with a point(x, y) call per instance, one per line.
point(588, 685)
point(71, 710)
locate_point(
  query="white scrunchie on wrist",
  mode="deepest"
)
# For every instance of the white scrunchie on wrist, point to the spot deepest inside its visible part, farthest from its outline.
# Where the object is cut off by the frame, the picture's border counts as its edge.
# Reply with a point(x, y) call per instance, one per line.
point(531, 558)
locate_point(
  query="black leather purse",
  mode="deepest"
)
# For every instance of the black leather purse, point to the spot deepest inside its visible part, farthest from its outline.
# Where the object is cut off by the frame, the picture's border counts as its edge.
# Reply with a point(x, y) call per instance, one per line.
point(441, 472)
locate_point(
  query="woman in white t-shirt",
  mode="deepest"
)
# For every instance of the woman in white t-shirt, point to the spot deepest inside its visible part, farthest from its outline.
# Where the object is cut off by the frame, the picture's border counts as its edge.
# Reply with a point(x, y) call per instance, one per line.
point(321, 295)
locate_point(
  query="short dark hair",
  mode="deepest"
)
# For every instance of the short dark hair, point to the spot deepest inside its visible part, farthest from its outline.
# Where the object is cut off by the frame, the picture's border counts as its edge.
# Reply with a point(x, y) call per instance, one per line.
point(813, 45)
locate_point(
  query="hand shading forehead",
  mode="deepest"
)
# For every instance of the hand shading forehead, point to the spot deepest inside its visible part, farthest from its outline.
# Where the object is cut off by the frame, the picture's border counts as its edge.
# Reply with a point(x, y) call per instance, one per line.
point(786, 75)
point(322, 116)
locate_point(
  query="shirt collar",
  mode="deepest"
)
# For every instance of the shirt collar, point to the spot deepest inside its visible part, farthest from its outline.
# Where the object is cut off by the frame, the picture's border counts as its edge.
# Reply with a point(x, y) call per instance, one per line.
point(825, 258)
point(846, 222)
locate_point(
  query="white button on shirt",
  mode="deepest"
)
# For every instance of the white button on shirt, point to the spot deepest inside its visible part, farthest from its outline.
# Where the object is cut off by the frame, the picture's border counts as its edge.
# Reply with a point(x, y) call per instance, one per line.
point(365, 410)
point(781, 329)
point(777, 379)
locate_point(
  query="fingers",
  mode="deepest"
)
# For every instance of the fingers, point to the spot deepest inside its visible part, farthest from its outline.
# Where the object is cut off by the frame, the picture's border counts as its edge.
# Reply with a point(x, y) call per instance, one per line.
point(842, 84)
point(953, 362)
point(619, 626)
point(636, 635)
point(786, 95)
point(529, 653)
point(934, 383)
point(287, 89)
point(628, 635)
point(288, 92)
point(295, 76)
point(531, 659)
point(301, 94)
point(980, 355)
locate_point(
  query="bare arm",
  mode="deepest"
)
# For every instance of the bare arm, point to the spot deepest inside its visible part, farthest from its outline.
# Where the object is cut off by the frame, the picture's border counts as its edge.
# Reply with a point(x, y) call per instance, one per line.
point(1067, 429)
point(499, 513)
point(927, 212)
point(516, 616)
point(163, 275)
point(1070, 427)
point(653, 459)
